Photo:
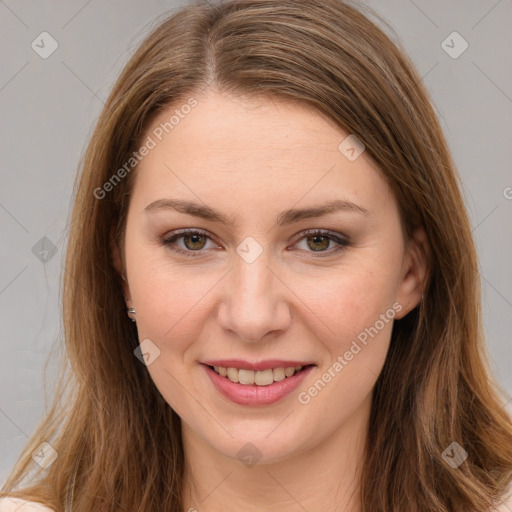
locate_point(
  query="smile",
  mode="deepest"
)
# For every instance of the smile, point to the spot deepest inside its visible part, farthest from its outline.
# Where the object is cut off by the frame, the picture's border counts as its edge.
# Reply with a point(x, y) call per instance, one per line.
point(258, 378)
point(258, 386)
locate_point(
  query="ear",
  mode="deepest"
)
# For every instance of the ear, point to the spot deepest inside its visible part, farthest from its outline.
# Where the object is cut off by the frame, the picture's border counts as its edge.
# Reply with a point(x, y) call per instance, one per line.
point(117, 262)
point(414, 273)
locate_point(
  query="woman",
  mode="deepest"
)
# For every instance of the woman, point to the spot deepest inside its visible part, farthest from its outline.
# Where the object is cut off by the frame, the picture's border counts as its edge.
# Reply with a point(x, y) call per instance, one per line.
point(271, 298)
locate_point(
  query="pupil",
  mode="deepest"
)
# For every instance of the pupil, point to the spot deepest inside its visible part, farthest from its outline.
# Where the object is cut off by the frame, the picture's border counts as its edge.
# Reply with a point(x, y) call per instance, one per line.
point(317, 239)
point(194, 241)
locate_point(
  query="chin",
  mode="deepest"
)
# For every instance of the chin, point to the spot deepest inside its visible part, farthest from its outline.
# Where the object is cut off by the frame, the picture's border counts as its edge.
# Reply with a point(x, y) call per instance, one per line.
point(253, 446)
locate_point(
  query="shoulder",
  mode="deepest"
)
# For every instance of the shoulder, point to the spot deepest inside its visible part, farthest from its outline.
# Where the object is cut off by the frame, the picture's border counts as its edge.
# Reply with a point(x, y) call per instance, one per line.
point(19, 505)
point(504, 506)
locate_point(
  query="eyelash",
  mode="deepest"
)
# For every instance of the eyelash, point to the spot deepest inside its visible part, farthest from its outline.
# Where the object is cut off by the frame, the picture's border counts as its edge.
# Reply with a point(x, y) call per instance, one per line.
point(341, 240)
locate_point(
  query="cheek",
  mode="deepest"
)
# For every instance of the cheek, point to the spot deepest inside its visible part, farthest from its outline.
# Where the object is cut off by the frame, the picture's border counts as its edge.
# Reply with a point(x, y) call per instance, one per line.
point(353, 311)
point(173, 302)
point(170, 309)
point(170, 306)
point(357, 315)
point(347, 303)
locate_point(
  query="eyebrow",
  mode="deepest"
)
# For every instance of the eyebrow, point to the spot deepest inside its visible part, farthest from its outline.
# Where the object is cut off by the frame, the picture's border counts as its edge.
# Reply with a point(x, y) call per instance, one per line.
point(284, 218)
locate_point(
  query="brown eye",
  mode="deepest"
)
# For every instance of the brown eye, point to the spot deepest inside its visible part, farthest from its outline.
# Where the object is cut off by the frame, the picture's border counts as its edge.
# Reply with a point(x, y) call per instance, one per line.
point(319, 242)
point(189, 242)
point(195, 241)
point(192, 242)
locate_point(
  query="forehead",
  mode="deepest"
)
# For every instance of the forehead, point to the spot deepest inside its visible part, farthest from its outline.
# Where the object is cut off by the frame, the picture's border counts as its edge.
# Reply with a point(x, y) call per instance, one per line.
point(253, 150)
point(228, 126)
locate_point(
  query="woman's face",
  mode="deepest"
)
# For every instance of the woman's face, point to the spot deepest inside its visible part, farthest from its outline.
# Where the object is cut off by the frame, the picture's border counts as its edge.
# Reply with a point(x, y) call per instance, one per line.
point(254, 290)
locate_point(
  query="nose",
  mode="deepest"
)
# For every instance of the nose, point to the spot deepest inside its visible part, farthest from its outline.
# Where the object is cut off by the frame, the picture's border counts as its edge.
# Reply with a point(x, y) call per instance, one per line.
point(256, 302)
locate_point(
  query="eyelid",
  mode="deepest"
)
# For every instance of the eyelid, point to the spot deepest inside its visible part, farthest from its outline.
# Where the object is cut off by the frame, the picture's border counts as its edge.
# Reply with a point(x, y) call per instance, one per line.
point(170, 239)
point(342, 240)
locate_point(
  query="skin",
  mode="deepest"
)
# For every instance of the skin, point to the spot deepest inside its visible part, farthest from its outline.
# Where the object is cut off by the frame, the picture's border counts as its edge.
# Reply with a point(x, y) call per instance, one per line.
point(251, 159)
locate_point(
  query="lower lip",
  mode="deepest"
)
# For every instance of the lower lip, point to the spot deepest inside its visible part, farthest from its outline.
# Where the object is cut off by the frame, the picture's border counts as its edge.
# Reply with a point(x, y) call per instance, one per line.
point(243, 394)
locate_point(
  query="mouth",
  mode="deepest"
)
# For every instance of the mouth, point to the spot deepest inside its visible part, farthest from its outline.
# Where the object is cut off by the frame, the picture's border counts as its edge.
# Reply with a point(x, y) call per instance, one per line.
point(265, 377)
point(263, 384)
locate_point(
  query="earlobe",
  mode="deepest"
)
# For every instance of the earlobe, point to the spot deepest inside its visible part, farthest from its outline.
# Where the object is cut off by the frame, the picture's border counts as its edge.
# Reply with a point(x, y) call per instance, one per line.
point(414, 272)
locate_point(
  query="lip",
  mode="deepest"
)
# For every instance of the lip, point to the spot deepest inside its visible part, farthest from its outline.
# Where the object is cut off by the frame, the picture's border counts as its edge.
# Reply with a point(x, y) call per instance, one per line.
point(253, 395)
point(262, 365)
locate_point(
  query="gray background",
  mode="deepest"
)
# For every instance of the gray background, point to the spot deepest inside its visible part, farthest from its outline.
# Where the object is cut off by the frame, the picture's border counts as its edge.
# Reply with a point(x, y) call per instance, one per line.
point(49, 106)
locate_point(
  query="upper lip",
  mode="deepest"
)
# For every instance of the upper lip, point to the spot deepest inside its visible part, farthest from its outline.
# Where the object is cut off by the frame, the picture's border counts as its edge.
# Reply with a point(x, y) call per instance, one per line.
point(260, 365)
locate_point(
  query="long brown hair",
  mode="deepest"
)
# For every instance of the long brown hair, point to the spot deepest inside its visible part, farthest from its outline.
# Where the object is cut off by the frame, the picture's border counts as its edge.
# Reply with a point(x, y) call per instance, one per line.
point(118, 441)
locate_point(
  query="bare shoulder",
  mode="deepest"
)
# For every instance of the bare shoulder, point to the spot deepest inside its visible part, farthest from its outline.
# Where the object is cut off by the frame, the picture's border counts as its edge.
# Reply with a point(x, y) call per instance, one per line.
point(19, 505)
point(504, 506)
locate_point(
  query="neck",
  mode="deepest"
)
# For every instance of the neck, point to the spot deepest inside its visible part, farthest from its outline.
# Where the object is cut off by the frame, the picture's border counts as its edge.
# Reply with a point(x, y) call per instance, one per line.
point(325, 478)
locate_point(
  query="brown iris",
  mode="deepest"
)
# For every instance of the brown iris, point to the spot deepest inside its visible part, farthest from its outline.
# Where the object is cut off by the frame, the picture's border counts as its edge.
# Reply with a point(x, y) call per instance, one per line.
point(317, 239)
point(195, 241)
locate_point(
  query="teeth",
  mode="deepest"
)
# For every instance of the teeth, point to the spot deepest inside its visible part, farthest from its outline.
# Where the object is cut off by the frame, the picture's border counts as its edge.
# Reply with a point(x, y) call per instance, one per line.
point(279, 374)
point(245, 376)
point(260, 377)
point(233, 374)
point(263, 377)
point(289, 371)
